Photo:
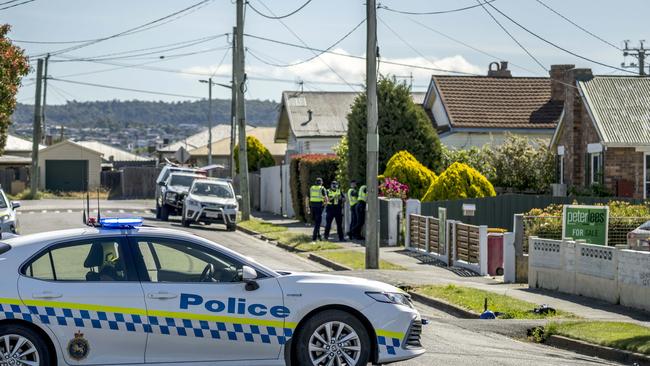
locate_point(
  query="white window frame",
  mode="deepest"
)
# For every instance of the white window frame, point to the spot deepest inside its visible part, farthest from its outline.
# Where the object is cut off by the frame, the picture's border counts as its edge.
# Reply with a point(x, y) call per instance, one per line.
point(646, 176)
point(560, 153)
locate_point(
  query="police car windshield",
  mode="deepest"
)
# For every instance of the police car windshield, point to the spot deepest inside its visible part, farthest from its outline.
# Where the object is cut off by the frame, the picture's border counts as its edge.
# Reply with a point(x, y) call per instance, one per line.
point(182, 180)
point(212, 190)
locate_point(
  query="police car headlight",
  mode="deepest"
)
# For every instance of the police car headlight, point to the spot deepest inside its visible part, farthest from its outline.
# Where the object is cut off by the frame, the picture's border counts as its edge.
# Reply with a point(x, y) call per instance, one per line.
point(231, 207)
point(171, 196)
point(192, 202)
point(391, 298)
point(4, 218)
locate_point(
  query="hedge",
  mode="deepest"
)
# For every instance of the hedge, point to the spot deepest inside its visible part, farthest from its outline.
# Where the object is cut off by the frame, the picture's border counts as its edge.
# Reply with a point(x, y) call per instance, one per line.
point(459, 181)
point(294, 184)
point(404, 167)
point(304, 170)
point(258, 155)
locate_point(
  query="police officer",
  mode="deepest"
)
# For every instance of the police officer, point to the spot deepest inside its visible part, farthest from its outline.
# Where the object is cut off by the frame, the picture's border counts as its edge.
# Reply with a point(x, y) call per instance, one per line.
point(352, 198)
point(361, 212)
point(334, 210)
point(317, 200)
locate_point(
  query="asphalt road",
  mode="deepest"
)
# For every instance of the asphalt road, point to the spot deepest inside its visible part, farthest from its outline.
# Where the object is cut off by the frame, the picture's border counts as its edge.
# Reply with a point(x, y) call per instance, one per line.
point(448, 341)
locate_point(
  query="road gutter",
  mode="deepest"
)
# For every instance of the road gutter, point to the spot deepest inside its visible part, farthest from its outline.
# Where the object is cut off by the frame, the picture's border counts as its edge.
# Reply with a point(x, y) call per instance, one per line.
point(590, 349)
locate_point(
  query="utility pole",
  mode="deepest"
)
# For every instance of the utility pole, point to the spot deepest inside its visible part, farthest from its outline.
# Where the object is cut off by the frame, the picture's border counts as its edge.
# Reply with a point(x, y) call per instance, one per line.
point(233, 108)
point(639, 53)
point(45, 77)
point(372, 139)
point(36, 137)
point(240, 83)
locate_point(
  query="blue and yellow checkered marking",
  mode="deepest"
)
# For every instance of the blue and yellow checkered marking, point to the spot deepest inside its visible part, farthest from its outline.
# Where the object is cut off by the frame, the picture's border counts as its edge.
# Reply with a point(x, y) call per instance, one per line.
point(164, 325)
point(388, 344)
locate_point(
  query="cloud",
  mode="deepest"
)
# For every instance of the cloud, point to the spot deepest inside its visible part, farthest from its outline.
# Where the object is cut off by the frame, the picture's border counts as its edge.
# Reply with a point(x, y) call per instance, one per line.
point(332, 69)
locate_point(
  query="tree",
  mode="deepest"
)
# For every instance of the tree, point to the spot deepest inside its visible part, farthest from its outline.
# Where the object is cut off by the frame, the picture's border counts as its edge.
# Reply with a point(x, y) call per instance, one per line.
point(13, 66)
point(341, 151)
point(407, 169)
point(402, 125)
point(258, 155)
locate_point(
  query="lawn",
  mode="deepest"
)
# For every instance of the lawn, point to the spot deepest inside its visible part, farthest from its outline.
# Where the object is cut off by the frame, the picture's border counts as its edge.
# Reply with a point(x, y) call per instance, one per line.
point(356, 260)
point(473, 299)
point(625, 336)
point(27, 195)
point(300, 242)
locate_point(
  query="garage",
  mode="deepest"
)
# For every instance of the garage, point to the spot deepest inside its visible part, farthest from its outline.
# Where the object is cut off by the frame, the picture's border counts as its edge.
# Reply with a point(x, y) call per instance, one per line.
point(69, 167)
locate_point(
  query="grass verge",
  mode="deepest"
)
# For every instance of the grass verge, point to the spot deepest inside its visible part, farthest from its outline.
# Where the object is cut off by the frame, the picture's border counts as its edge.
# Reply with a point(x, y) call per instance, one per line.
point(27, 195)
point(473, 299)
point(300, 242)
point(356, 260)
point(619, 335)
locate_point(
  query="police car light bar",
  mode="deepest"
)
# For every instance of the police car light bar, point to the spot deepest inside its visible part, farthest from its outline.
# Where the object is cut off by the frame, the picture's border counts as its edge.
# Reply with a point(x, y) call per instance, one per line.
point(120, 223)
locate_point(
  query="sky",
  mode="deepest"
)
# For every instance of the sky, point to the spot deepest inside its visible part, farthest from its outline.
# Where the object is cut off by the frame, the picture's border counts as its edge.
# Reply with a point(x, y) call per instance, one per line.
point(427, 41)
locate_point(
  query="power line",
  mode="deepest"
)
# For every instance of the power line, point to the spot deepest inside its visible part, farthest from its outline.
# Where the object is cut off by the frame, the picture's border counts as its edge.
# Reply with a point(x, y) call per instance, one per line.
point(578, 26)
point(430, 12)
point(126, 89)
point(140, 28)
point(109, 69)
point(134, 58)
point(510, 35)
point(466, 44)
point(345, 36)
point(14, 5)
point(557, 46)
point(221, 62)
point(359, 57)
point(8, 2)
point(305, 44)
point(274, 16)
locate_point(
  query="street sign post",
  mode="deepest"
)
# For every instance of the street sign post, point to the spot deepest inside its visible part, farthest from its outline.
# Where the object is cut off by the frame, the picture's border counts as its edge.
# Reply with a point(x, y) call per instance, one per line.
point(588, 223)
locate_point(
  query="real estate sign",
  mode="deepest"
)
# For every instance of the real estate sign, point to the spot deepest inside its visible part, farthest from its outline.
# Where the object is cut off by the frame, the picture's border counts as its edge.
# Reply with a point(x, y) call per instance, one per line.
point(588, 223)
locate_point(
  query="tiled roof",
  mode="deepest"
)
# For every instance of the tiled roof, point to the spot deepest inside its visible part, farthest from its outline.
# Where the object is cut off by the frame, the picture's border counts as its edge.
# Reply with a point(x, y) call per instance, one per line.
point(490, 102)
point(620, 106)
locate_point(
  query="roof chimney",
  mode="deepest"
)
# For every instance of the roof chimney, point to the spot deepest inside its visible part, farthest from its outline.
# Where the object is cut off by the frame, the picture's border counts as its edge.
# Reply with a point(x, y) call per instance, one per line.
point(500, 70)
point(559, 79)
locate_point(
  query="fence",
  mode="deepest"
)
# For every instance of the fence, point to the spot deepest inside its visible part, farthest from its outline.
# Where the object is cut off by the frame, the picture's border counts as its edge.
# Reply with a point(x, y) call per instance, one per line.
point(606, 273)
point(275, 194)
point(130, 182)
point(497, 211)
point(467, 243)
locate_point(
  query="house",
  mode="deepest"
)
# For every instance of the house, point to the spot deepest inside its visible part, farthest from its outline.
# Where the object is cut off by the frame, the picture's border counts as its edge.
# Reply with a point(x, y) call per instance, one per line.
point(115, 158)
point(221, 149)
point(69, 166)
point(196, 141)
point(15, 164)
point(315, 122)
point(471, 111)
point(603, 137)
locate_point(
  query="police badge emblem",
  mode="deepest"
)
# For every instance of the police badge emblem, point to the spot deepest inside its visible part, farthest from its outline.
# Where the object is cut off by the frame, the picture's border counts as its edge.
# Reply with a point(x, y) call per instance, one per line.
point(78, 347)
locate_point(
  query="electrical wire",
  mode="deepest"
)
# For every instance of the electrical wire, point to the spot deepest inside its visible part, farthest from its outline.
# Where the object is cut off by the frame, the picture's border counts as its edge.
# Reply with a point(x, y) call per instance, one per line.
point(359, 57)
point(133, 58)
point(149, 25)
point(557, 46)
point(14, 5)
point(345, 36)
point(430, 12)
point(305, 44)
point(578, 26)
point(100, 71)
point(274, 16)
point(8, 2)
point(510, 35)
point(125, 89)
point(225, 54)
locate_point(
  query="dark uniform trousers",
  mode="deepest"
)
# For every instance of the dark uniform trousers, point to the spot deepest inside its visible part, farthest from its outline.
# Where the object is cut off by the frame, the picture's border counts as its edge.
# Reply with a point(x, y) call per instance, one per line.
point(334, 212)
point(316, 209)
point(360, 209)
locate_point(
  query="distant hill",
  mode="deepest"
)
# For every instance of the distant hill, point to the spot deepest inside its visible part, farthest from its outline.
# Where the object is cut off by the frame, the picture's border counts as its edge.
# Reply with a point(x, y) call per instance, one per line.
point(136, 112)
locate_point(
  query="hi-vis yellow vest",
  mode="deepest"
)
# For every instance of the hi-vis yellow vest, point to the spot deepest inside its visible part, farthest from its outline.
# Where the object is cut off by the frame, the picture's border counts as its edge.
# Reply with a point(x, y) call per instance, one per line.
point(363, 193)
point(316, 194)
point(352, 199)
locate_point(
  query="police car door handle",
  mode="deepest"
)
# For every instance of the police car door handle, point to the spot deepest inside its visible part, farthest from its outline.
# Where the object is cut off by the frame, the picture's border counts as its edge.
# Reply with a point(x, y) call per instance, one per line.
point(162, 295)
point(46, 295)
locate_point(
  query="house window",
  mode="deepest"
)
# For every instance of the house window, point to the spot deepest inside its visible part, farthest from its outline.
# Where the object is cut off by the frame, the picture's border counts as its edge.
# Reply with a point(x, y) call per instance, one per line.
point(596, 164)
point(646, 175)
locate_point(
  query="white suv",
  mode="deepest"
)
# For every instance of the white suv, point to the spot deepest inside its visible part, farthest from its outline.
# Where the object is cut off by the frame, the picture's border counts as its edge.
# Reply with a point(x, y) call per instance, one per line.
point(211, 201)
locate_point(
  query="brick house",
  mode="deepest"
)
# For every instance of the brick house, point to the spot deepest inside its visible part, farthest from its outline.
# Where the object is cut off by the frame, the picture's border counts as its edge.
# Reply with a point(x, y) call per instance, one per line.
point(603, 137)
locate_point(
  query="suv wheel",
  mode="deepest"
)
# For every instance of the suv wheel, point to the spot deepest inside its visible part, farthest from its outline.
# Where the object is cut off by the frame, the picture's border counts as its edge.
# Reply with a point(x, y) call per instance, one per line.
point(184, 221)
point(333, 337)
point(158, 214)
point(164, 212)
point(22, 346)
point(231, 227)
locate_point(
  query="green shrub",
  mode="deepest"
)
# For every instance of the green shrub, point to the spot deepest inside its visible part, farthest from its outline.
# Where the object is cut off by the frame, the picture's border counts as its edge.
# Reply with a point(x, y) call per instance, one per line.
point(402, 125)
point(310, 167)
point(407, 170)
point(294, 184)
point(477, 158)
point(258, 155)
point(459, 181)
point(341, 151)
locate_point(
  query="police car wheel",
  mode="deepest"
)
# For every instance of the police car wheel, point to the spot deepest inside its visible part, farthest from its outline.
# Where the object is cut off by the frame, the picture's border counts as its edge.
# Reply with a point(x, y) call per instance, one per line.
point(22, 346)
point(333, 337)
point(157, 211)
point(164, 212)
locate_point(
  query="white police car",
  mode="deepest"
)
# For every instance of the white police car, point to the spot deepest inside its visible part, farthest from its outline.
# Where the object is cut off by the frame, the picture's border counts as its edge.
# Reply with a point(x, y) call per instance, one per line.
point(121, 294)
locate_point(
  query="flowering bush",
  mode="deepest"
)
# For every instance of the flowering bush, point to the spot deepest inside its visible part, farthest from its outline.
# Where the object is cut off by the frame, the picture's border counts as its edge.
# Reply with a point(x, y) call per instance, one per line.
point(392, 188)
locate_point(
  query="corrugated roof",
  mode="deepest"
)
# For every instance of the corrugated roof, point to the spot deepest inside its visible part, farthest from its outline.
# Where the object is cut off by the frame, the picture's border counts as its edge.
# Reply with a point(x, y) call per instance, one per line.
point(264, 134)
point(200, 139)
point(15, 143)
point(329, 112)
point(620, 107)
point(492, 102)
point(112, 153)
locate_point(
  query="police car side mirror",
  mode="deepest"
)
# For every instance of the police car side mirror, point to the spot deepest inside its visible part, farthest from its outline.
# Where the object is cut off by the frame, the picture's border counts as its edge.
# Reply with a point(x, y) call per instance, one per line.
point(238, 197)
point(249, 275)
point(161, 183)
point(15, 204)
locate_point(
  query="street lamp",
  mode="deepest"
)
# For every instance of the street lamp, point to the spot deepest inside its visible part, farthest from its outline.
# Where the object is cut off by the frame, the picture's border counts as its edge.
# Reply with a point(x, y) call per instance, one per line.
point(210, 83)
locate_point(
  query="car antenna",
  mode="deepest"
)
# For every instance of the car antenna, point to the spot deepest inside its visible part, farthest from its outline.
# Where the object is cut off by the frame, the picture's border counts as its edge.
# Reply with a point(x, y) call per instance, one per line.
point(88, 206)
point(99, 212)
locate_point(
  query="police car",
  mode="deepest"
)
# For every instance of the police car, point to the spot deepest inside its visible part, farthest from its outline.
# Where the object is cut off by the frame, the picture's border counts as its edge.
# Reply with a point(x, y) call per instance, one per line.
point(123, 294)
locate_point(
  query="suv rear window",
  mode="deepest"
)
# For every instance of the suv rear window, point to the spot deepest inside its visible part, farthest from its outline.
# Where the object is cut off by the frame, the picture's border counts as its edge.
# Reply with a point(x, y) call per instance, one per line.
point(4, 248)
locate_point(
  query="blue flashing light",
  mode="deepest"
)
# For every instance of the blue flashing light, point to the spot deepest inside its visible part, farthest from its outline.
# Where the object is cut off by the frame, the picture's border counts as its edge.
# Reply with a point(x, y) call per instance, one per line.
point(120, 223)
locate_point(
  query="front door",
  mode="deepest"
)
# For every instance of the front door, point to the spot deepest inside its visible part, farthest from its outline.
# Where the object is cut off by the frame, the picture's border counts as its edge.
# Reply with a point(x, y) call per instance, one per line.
point(89, 295)
point(199, 308)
